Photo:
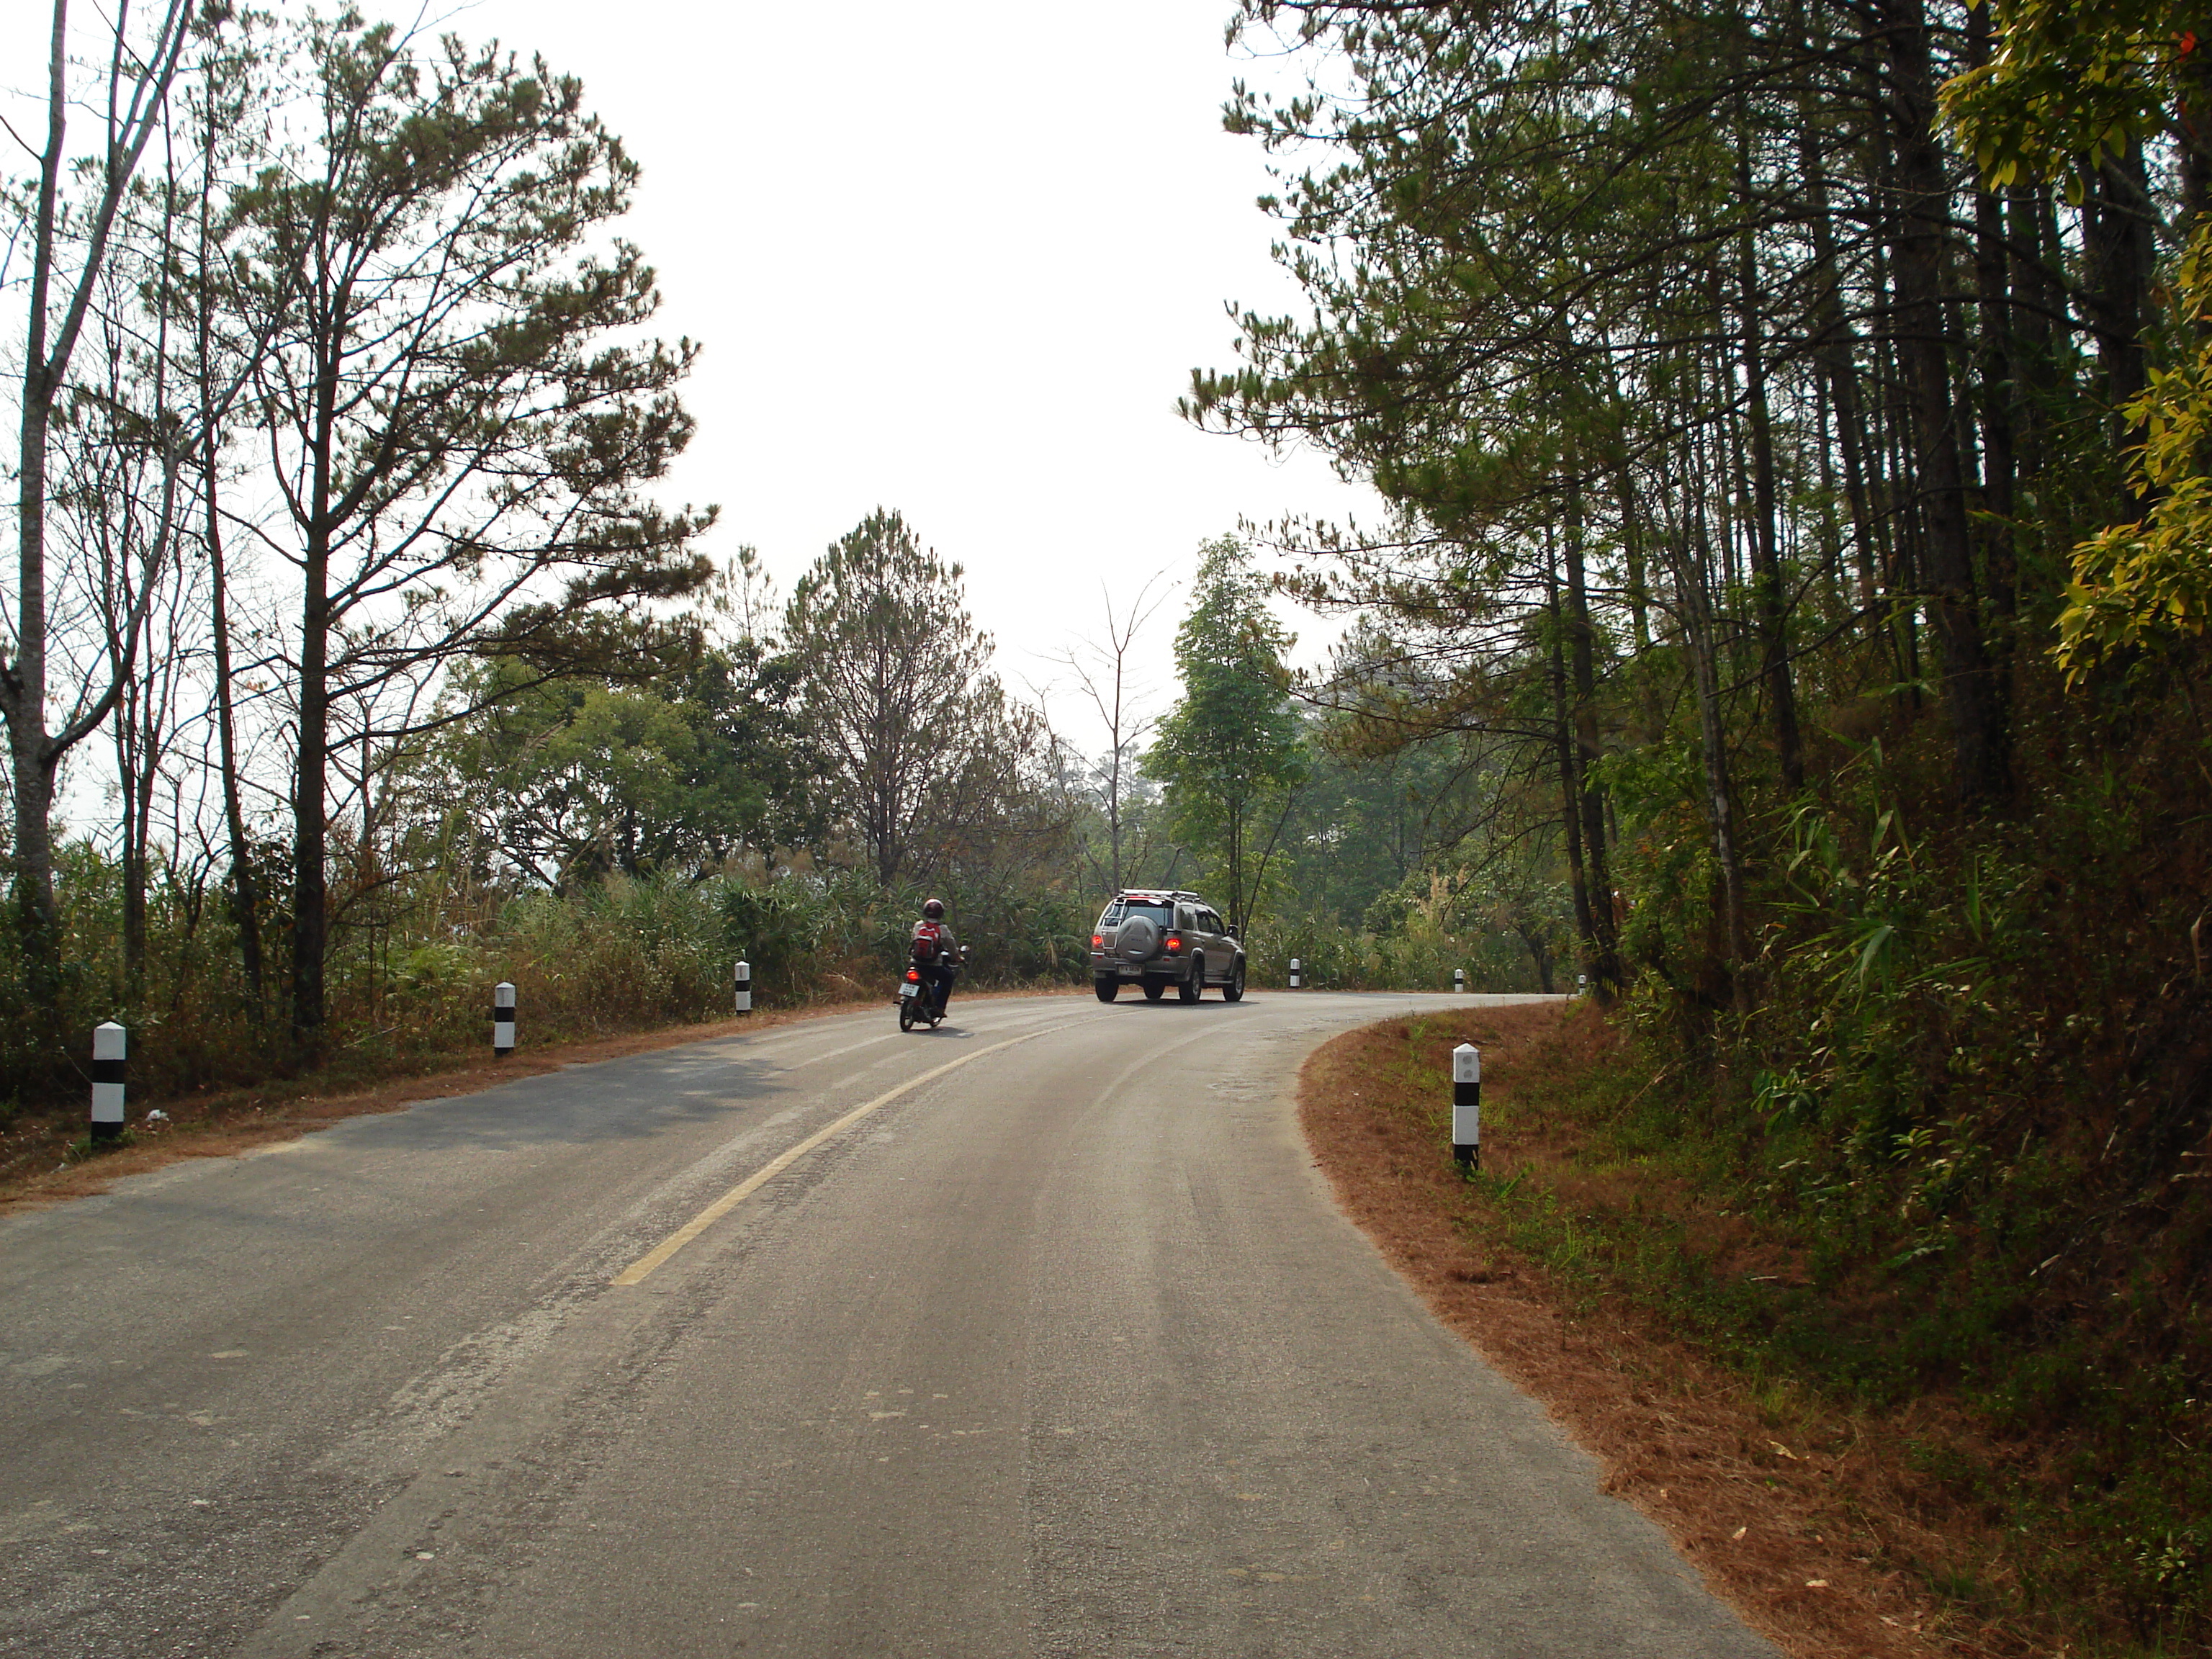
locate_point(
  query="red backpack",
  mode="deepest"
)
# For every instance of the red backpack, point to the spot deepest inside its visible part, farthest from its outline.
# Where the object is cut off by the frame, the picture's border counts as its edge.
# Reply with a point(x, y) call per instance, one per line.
point(926, 935)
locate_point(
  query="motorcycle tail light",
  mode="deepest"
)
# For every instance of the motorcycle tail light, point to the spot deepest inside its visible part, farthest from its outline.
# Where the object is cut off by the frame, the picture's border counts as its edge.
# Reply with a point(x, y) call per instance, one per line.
point(914, 976)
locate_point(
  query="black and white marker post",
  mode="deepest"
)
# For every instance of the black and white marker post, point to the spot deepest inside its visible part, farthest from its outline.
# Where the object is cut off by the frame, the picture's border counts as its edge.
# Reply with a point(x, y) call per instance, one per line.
point(745, 1004)
point(1294, 973)
point(1466, 1106)
point(503, 1020)
point(1459, 980)
point(109, 1043)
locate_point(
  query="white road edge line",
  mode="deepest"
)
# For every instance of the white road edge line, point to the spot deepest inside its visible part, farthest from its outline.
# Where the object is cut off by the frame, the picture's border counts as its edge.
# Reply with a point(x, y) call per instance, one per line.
point(642, 1269)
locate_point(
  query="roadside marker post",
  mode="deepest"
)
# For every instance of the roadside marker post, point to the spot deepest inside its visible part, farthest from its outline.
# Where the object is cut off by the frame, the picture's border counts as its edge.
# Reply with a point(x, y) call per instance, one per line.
point(745, 981)
point(503, 1020)
point(1459, 980)
point(1294, 973)
point(110, 1043)
point(1466, 1106)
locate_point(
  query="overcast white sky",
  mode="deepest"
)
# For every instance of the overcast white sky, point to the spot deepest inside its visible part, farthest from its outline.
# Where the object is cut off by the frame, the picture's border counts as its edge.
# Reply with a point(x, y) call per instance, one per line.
point(955, 259)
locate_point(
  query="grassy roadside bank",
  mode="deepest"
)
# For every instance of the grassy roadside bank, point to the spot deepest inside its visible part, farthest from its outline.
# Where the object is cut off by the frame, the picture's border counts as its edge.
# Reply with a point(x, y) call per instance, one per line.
point(1723, 1364)
point(44, 1157)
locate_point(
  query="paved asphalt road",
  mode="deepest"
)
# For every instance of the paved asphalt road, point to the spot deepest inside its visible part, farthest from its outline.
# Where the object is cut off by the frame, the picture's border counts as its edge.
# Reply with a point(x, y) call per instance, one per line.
point(1062, 1350)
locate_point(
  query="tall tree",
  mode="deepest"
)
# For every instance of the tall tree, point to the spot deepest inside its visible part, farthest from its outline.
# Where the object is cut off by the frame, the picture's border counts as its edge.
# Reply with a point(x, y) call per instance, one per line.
point(893, 687)
point(1230, 751)
point(230, 107)
point(458, 417)
point(71, 246)
point(1101, 666)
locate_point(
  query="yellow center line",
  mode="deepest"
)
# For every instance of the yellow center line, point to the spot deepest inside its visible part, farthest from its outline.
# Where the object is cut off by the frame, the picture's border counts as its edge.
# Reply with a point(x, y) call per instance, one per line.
point(642, 1269)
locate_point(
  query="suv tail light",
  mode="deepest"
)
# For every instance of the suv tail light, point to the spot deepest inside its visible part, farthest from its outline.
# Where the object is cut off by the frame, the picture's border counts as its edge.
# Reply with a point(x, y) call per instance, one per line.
point(1097, 941)
point(1175, 942)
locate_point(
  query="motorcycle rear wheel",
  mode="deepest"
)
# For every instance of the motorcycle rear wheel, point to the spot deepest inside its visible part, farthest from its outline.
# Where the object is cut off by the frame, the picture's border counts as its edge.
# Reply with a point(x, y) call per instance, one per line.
point(906, 1012)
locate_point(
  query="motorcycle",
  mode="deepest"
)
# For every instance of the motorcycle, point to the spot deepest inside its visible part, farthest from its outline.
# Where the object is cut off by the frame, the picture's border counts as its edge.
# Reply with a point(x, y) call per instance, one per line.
point(918, 1000)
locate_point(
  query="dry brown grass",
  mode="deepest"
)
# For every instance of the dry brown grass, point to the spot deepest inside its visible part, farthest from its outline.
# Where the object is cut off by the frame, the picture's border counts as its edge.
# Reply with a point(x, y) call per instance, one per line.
point(1799, 1517)
point(37, 1166)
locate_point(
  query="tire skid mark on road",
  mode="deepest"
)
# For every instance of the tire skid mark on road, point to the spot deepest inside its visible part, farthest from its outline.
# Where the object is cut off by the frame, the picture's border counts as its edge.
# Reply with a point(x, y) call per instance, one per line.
point(644, 1267)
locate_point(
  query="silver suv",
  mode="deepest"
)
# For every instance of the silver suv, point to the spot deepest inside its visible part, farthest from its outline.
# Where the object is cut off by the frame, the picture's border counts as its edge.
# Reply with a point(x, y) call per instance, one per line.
point(1159, 939)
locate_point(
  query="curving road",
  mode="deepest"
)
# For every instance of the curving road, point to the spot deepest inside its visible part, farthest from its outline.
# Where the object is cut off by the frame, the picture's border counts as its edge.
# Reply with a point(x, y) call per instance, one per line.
point(1038, 1335)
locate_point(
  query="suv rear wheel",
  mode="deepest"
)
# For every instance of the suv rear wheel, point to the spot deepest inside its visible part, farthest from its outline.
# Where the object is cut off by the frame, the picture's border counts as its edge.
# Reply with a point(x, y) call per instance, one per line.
point(1193, 989)
point(1106, 989)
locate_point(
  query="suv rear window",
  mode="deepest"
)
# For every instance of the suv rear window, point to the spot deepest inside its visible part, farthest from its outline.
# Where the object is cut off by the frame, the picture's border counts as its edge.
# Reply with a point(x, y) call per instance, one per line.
point(1118, 911)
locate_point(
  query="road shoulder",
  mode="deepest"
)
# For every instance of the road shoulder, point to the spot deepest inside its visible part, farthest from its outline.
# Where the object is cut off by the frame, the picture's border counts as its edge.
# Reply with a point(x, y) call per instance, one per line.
point(1680, 1439)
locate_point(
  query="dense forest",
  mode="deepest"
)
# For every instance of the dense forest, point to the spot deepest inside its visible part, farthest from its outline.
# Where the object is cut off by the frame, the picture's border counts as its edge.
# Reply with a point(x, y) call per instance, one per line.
point(1792, 422)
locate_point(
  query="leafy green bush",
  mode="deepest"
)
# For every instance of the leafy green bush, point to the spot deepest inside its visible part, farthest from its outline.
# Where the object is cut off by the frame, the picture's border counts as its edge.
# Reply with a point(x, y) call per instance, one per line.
point(412, 967)
point(1344, 958)
point(1970, 1098)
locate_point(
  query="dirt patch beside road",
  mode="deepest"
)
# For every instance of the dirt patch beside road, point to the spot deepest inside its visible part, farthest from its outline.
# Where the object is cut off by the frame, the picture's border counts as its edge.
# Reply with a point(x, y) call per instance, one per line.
point(1801, 1518)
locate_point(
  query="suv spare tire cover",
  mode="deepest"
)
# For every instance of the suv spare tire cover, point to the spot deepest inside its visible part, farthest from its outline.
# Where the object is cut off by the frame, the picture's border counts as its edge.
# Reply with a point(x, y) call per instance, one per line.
point(1138, 936)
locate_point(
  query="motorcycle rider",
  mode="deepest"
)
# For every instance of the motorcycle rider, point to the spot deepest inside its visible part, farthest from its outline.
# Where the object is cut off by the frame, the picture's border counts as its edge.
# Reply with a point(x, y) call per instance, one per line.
point(936, 953)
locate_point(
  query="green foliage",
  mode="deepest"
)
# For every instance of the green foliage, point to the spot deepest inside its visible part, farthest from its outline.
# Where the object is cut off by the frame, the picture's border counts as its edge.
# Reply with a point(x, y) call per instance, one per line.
point(411, 976)
point(1391, 957)
point(574, 778)
point(1743, 448)
point(2071, 80)
point(922, 753)
point(2141, 588)
point(1230, 751)
point(1969, 1110)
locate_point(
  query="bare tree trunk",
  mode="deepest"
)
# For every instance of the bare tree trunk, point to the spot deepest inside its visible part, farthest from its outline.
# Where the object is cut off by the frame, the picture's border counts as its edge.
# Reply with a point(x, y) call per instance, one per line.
point(245, 898)
point(144, 726)
point(311, 795)
point(138, 88)
point(1689, 548)
point(311, 825)
point(129, 769)
point(1769, 602)
point(23, 688)
point(1237, 898)
point(2038, 308)
point(1111, 663)
point(2121, 253)
point(1539, 952)
point(1973, 696)
point(1605, 966)
point(1999, 376)
point(1563, 746)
